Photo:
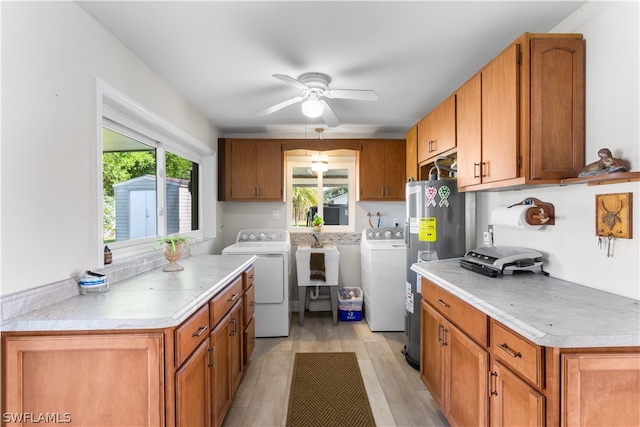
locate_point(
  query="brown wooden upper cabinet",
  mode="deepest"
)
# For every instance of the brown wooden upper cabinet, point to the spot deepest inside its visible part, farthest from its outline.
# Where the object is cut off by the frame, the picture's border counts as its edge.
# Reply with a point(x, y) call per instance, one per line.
point(382, 169)
point(520, 120)
point(250, 169)
point(437, 131)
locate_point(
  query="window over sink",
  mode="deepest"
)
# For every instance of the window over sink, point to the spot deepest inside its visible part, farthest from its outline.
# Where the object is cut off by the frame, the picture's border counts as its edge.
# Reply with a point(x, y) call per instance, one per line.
point(329, 194)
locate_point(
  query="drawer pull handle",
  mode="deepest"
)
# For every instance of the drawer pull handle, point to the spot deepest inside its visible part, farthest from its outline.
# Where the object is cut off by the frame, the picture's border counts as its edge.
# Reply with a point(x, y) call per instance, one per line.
point(200, 331)
point(252, 304)
point(510, 352)
point(442, 303)
point(233, 297)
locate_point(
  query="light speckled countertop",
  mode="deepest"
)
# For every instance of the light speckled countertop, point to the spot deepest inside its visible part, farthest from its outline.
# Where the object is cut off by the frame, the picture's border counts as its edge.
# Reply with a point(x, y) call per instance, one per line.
point(151, 300)
point(547, 311)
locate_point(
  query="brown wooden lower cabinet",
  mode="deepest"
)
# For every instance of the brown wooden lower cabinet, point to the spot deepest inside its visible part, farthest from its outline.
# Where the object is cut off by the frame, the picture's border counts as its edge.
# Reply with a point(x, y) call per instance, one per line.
point(180, 376)
point(193, 389)
point(454, 369)
point(513, 401)
point(510, 381)
point(84, 380)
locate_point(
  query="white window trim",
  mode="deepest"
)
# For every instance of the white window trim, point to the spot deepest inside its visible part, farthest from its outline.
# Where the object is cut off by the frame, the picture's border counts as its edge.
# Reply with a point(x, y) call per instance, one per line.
point(342, 162)
point(117, 107)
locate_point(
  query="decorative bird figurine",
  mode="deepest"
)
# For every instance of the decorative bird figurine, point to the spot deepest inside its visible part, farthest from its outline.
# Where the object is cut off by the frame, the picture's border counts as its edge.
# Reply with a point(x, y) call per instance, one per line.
point(606, 164)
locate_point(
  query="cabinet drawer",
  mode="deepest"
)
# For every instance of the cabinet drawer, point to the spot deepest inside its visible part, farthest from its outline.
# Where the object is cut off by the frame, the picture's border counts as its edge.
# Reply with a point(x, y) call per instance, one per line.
point(191, 333)
point(248, 277)
point(472, 321)
point(520, 354)
point(249, 302)
point(225, 300)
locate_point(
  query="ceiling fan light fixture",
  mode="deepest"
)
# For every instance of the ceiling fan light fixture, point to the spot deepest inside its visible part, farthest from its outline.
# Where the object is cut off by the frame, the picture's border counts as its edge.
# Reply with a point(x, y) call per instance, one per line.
point(312, 107)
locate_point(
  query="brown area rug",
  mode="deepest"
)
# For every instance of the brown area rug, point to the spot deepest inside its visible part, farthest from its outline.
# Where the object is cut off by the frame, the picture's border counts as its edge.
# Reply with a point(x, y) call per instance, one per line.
point(327, 390)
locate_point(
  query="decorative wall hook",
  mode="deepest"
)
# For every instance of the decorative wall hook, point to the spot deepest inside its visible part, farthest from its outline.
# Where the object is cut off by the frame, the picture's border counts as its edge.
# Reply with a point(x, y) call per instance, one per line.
point(540, 213)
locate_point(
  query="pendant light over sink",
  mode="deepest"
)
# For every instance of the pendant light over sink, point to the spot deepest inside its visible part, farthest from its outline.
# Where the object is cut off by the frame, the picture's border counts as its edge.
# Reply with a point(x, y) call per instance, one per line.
point(319, 162)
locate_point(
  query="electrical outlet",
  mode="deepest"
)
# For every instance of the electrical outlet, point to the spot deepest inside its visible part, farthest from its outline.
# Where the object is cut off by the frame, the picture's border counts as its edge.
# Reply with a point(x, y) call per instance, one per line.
point(275, 214)
point(396, 222)
point(488, 236)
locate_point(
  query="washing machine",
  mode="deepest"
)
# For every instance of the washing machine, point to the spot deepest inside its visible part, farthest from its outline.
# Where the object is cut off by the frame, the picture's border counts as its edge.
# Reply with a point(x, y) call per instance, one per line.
point(272, 277)
point(383, 254)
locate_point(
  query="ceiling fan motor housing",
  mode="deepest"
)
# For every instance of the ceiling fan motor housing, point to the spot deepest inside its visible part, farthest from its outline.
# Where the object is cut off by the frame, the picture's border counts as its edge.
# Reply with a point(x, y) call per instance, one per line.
point(315, 80)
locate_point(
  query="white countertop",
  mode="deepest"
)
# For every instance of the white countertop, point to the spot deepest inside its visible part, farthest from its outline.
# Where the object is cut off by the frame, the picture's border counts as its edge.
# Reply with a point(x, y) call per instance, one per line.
point(547, 311)
point(151, 300)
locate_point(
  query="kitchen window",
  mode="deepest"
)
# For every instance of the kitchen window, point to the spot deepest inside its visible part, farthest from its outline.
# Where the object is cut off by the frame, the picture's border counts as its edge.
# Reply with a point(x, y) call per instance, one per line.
point(150, 177)
point(148, 191)
point(329, 194)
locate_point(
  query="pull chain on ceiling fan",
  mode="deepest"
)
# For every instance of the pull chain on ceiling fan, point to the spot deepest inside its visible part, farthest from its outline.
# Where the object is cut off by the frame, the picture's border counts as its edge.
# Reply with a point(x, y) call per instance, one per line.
point(315, 86)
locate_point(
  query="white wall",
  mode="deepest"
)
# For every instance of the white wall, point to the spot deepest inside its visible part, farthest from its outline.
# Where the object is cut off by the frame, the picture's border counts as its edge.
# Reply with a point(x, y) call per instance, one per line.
point(612, 120)
point(51, 54)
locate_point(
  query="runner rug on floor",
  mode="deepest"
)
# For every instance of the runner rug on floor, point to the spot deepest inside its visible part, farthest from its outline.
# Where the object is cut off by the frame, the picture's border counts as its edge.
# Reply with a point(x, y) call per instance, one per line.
point(327, 390)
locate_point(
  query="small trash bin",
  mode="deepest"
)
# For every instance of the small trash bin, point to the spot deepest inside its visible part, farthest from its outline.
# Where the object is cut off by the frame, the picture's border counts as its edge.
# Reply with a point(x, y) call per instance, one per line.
point(350, 304)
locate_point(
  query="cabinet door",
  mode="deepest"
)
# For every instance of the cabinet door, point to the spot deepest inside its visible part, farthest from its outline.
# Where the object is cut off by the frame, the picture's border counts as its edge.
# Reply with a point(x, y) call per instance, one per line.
point(469, 131)
point(445, 118)
point(268, 170)
point(557, 108)
point(437, 131)
point(468, 387)
point(236, 342)
point(600, 389)
point(432, 353)
point(220, 371)
point(372, 175)
point(80, 376)
point(249, 340)
point(394, 161)
point(500, 124)
point(513, 401)
point(243, 169)
point(426, 134)
point(193, 389)
point(411, 150)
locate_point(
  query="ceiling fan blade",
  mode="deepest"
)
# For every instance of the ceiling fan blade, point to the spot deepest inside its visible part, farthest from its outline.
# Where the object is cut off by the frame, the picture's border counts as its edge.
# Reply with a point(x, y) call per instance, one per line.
point(329, 116)
point(290, 80)
point(360, 95)
point(281, 105)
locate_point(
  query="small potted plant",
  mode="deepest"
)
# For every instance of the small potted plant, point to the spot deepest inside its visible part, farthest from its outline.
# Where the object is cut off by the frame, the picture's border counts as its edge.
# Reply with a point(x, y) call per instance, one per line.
point(174, 247)
point(317, 222)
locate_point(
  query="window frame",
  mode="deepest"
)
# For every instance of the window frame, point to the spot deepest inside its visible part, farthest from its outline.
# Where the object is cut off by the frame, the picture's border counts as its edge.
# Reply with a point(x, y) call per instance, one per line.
point(341, 161)
point(139, 123)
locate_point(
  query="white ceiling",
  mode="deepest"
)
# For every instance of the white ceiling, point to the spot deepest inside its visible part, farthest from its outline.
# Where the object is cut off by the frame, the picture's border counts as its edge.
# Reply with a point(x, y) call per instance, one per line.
point(221, 55)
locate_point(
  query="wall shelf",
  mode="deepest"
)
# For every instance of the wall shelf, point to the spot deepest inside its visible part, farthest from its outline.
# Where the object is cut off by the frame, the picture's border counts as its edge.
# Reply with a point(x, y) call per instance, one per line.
point(611, 178)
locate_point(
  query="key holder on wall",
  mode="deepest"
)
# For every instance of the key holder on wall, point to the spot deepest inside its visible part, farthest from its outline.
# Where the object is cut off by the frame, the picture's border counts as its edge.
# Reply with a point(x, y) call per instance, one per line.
point(540, 213)
point(613, 215)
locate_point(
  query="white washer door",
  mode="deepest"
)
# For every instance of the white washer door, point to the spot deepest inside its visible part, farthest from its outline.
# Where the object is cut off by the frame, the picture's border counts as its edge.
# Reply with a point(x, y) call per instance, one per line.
point(269, 279)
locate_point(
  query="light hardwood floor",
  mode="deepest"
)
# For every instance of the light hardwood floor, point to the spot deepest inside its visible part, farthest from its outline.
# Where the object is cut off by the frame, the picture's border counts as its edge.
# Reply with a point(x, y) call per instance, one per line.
point(396, 394)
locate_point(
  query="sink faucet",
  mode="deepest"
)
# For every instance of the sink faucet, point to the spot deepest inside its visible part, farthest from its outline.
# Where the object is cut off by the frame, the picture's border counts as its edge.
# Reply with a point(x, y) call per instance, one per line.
point(317, 243)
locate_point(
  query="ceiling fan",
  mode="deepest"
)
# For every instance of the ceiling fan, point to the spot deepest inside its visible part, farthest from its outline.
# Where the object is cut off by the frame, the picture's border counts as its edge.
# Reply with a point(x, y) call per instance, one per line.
point(315, 86)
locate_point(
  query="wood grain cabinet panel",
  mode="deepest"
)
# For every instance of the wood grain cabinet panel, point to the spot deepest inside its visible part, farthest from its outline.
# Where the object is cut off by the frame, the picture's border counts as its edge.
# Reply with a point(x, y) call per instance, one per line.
point(454, 369)
point(250, 170)
point(113, 380)
point(382, 165)
point(601, 389)
point(437, 131)
point(513, 401)
point(531, 115)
